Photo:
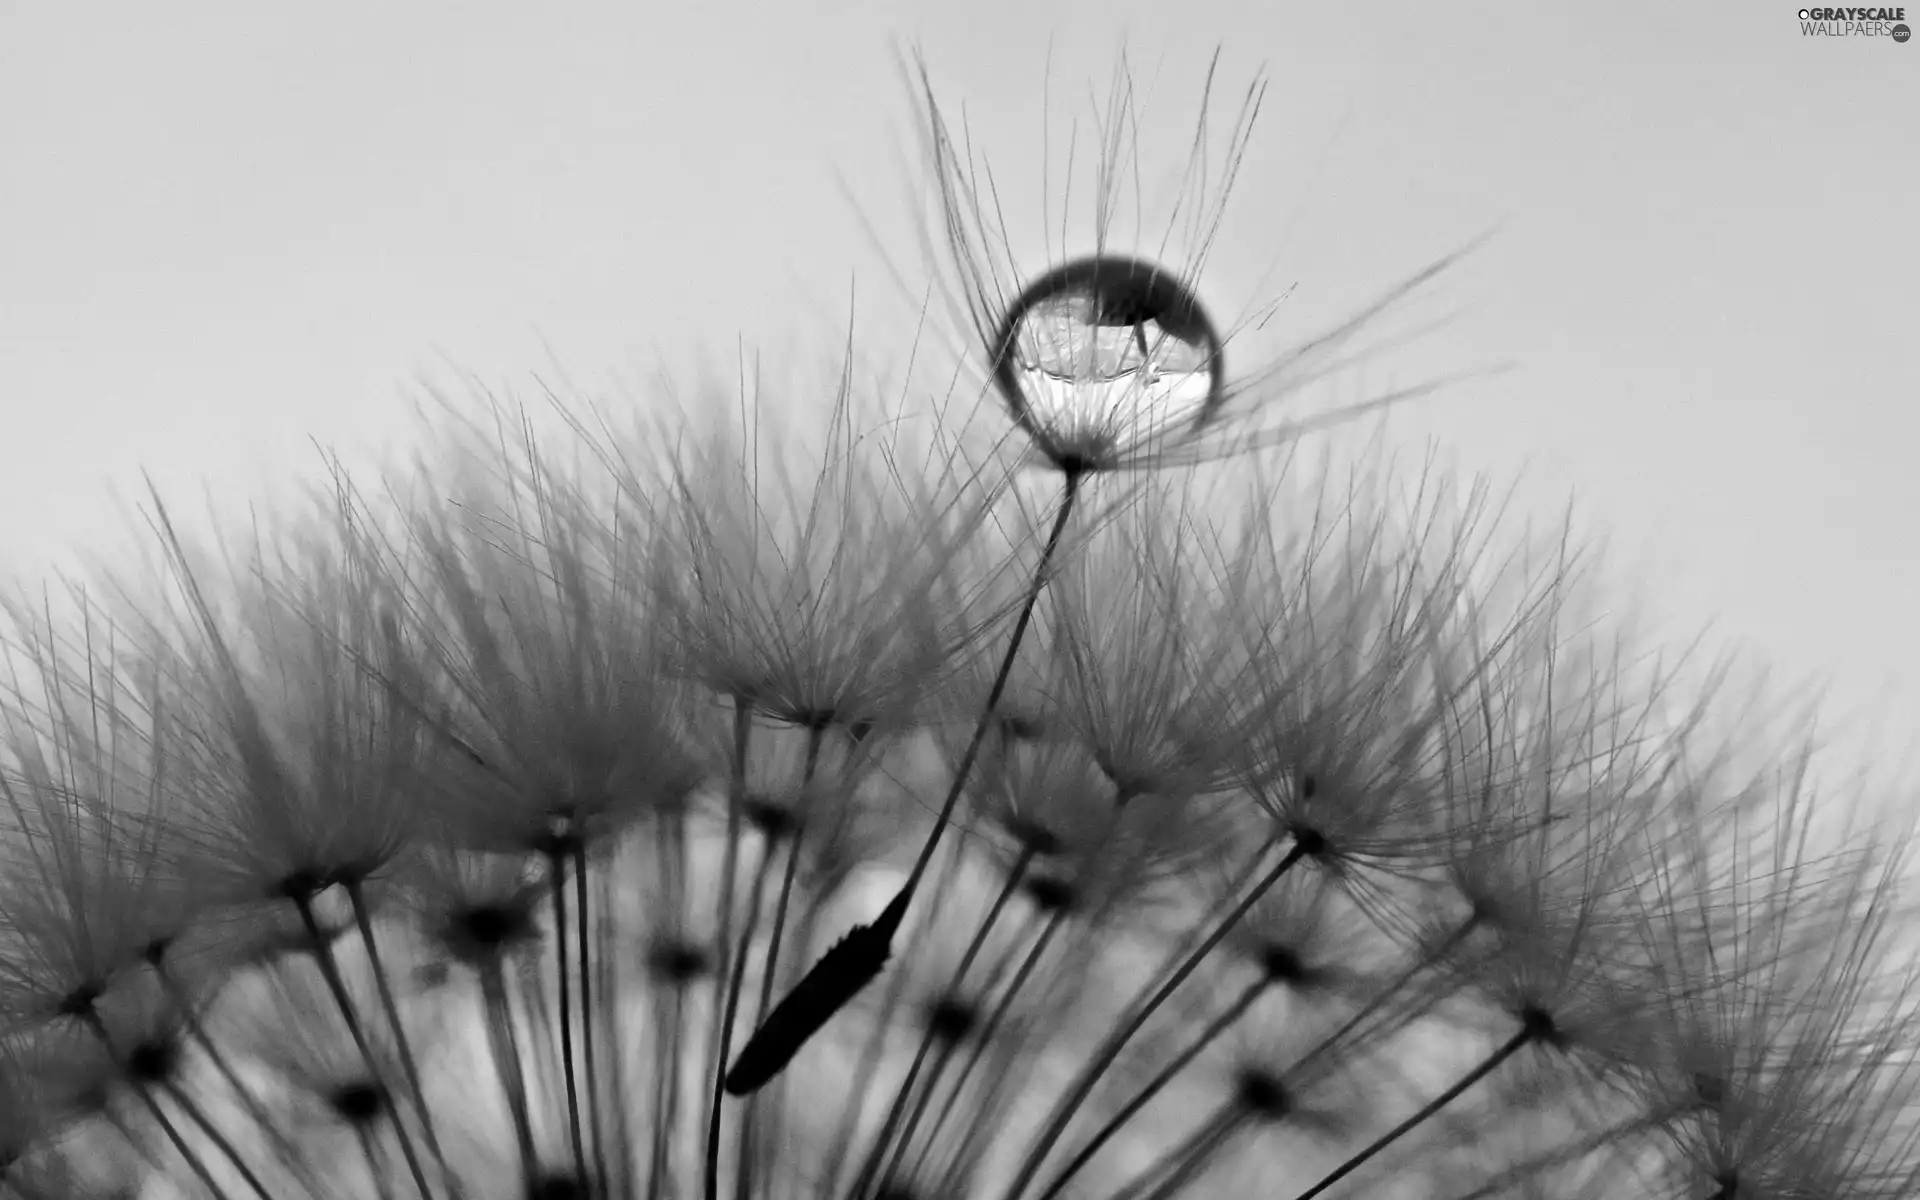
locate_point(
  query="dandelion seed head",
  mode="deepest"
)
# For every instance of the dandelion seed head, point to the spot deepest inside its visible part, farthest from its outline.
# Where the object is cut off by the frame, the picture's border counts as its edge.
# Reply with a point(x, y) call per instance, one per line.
point(477, 906)
point(461, 843)
point(810, 591)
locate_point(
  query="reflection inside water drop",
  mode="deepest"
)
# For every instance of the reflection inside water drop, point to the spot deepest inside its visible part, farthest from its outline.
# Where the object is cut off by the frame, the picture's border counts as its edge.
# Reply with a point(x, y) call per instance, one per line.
point(1102, 355)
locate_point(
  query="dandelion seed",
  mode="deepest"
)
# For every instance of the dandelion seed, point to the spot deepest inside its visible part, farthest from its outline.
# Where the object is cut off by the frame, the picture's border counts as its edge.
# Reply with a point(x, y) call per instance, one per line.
point(90, 802)
point(815, 598)
point(863, 954)
point(1768, 1064)
point(1109, 361)
point(840, 974)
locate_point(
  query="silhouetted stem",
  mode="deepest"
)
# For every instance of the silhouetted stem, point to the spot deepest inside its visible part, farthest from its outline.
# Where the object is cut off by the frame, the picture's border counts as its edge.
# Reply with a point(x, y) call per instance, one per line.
point(1015, 875)
point(731, 1009)
point(1225, 1021)
point(1145, 1095)
point(505, 1048)
point(179, 1143)
point(1109, 1052)
point(1488, 1066)
point(807, 773)
point(330, 971)
point(220, 1141)
point(666, 1100)
point(375, 1168)
point(809, 1006)
point(1180, 1163)
point(871, 1054)
point(667, 1064)
point(198, 1031)
point(1441, 950)
point(1056, 921)
point(743, 1180)
point(721, 1039)
point(363, 917)
point(141, 1089)
point(557, 883)
point(585, 937)
point(1561, 1155)
point(964, 770)
point(1091, 853)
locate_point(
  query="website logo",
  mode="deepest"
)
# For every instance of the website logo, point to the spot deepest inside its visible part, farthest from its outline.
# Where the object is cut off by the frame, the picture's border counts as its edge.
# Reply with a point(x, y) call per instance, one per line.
point(1855, 22)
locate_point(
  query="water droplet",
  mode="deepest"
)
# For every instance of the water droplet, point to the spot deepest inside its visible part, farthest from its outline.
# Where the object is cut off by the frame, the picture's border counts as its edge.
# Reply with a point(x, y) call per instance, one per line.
point(1104, 357)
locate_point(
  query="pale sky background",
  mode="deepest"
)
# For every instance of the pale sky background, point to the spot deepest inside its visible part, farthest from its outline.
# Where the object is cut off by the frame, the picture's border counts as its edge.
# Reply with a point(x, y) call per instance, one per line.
point(226, 228)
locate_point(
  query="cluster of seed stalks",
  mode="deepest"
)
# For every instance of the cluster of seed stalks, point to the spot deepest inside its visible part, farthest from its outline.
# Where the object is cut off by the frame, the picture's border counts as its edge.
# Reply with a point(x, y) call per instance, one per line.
point(1084, 801)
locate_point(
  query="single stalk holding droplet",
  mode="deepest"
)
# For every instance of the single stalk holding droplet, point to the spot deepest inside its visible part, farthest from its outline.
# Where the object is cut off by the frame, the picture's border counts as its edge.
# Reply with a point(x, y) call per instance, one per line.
point(859, 957)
